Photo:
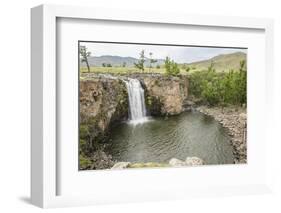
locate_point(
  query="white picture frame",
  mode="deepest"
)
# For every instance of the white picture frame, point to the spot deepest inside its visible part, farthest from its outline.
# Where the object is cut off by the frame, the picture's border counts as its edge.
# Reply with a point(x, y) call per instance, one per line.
point(44, 155)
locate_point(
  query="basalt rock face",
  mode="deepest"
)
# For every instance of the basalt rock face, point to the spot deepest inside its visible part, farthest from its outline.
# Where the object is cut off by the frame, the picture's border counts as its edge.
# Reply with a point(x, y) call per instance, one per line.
point(104, 98)
point(164, 94)
point(103, 101)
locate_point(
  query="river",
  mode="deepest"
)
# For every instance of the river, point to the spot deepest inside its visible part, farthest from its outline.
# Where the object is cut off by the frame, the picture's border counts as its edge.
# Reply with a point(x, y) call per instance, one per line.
point(161, 138)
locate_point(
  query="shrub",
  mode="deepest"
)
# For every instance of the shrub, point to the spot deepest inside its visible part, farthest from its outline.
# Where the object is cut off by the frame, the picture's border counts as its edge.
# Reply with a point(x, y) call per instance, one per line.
point(84, 131)
point(220, 88)
point(171, 67)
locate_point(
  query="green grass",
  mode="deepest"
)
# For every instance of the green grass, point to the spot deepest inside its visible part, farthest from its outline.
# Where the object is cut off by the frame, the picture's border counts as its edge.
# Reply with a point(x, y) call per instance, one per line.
point(119, 70)
point(124, 70)
point(224, 62)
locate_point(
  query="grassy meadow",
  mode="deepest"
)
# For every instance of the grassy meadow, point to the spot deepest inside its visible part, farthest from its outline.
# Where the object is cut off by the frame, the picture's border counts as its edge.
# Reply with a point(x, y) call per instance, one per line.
point(221, 63)
point(124, 70)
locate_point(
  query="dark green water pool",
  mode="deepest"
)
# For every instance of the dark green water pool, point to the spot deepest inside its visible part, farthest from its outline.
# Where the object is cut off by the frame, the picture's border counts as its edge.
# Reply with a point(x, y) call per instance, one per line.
point(160, 139)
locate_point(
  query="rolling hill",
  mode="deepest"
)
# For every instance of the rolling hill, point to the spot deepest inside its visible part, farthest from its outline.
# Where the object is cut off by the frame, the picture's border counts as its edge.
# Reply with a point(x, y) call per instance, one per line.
point(223, 62)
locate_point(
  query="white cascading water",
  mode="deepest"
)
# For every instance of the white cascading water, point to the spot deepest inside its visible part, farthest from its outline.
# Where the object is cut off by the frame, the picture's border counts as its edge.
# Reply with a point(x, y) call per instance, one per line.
point(136, 100)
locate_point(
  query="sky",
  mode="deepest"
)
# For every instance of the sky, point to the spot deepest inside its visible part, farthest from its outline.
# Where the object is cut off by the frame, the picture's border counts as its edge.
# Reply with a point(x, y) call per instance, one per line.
point(180, 54)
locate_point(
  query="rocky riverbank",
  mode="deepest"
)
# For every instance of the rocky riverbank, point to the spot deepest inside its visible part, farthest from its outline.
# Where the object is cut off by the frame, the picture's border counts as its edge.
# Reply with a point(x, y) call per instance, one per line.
point(235, 121)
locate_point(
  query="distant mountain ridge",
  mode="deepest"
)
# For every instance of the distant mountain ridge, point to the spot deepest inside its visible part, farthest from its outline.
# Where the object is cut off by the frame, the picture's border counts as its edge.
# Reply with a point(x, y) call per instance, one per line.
point(98, 61)
point(222, 62)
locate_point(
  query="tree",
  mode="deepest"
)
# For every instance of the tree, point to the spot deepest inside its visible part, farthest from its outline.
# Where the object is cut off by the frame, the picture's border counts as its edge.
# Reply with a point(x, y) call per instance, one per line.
point(151, 60)
point(242, 65)
point(211, 67)
point(242, 82)
point(140, 63)
point(84, 56)
point(171, 67)
point(124, 64)
point(103, 64)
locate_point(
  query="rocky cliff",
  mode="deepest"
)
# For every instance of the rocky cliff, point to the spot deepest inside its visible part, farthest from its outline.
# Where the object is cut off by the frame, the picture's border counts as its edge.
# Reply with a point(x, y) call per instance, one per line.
point(164, 94)
point(104, 101)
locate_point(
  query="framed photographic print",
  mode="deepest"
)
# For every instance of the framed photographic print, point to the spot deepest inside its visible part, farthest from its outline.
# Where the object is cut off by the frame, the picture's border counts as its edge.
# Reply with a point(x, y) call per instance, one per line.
point(145, 105)
point(130, 105)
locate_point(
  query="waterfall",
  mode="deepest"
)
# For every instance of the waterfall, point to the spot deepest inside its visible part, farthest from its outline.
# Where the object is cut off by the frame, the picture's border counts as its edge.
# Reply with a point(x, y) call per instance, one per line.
point(137, 110)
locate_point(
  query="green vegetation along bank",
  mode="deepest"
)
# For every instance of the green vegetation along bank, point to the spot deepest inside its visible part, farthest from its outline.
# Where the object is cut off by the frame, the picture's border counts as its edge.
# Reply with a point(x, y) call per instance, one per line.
point(220, 88)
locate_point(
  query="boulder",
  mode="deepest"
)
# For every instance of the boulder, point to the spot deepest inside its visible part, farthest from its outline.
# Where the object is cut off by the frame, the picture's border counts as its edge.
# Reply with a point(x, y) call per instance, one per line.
point(190, 161)
point(176, 162)
point(121, 165)
point(193, 161)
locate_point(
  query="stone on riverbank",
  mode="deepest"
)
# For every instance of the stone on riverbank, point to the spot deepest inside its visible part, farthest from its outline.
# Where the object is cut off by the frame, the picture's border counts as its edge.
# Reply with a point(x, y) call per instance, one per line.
point(193, 161)
point(176, 162)
point(121, 165)
point(190, 161)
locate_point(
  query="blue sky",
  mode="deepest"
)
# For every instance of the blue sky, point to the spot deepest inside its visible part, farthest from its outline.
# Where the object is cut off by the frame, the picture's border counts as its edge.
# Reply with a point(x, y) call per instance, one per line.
point(178, 53)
